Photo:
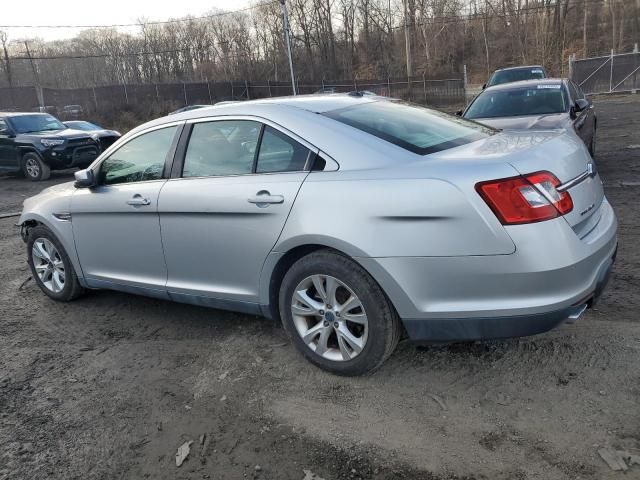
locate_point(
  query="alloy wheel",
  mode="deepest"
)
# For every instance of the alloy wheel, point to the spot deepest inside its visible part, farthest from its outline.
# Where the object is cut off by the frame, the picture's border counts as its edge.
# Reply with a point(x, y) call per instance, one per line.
point(329, 317)
point(32, 167)
point(48, 264)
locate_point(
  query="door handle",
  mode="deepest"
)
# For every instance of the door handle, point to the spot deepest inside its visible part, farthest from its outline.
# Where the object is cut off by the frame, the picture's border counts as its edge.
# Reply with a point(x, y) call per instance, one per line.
point(137, 200)
point(264, 198)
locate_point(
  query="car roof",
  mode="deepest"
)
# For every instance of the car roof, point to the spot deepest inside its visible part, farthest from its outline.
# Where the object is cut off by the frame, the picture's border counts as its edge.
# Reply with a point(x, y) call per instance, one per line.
point(526, 83)
point(20, 114)
point(521, 67)
point(314, 103)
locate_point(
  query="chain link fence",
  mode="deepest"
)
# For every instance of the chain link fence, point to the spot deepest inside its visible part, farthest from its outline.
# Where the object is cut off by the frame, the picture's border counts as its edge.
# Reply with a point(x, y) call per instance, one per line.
point(613, 73)
point(442, 93)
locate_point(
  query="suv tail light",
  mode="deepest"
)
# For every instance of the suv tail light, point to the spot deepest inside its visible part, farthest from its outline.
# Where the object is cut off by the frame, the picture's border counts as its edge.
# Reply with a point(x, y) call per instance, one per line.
point(526, 199)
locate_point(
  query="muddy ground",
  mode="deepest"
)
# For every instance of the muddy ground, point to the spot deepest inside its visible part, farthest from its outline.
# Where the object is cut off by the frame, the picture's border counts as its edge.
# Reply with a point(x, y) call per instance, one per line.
point(111, 385)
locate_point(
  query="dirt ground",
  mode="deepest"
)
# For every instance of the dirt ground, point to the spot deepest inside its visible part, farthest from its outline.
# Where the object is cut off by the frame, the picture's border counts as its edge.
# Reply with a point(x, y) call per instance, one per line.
point(111, 385)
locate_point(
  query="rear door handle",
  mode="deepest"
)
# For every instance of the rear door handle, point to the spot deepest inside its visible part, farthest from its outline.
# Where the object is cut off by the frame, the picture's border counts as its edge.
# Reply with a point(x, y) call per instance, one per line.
point(264, 198)
point(137, 200)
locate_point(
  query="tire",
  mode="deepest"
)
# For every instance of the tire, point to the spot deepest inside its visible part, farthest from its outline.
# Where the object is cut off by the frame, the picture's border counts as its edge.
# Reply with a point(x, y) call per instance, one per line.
point(364, 343)
point(58, 266)
point(34, 168)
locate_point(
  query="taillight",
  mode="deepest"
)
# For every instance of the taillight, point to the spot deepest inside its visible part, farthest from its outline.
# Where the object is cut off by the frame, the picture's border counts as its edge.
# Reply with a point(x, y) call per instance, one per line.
point(526, 199)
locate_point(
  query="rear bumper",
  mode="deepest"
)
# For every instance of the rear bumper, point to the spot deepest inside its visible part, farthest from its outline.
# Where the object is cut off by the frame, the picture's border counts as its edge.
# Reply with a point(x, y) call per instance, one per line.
point(469, 329)
point(552, 272)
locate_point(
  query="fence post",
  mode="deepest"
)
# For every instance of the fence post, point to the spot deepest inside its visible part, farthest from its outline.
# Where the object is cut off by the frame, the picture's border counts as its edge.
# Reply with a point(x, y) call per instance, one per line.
point(355, 85)
point(323, 85)
point(95, 98)
point(269, 87)
point(465, 79)
point(424, 88)
point(611, 72)
point(126, 95)
point(157, 93)
point(572, 58)
point(231, 90)
point(209, 91)
point(389, 84)
point(184, 90)
point(246, 87)
point(635, 75)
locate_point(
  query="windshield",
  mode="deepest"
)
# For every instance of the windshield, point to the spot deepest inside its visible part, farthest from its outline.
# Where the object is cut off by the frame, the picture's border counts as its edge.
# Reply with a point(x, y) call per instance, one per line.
point(506, 76)
point(36, 123)
point(536, 100)
point(87, 126)
point(414, 128)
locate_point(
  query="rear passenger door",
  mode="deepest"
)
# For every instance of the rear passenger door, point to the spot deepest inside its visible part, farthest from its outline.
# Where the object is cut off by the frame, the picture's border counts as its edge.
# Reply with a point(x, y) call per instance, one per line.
point(225, 208)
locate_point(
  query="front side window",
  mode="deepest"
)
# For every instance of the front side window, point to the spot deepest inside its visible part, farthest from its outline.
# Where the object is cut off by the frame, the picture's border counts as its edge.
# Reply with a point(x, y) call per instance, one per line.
point(225, 147)
point(414, 128)
point(280, 153)
point(540, 99)
point(140, 159)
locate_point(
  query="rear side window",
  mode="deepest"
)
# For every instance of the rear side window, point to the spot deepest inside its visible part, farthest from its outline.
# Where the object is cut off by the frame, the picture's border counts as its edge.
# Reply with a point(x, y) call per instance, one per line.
point(225, 147)
point(280, 153)
point(417, 129)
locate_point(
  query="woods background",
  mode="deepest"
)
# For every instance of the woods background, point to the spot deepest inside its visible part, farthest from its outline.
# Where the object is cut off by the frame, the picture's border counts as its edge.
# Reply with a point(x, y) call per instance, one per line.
point(330, 39)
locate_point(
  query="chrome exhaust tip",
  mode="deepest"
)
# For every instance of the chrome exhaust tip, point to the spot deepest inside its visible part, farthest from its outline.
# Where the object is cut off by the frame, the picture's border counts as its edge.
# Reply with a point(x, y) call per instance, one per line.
point(576, 313)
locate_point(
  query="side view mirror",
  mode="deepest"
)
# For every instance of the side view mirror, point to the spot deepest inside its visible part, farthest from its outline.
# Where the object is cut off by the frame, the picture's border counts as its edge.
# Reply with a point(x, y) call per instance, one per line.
point(484, 86)
point(459, 113)
point(84, 178)
point(581, 104)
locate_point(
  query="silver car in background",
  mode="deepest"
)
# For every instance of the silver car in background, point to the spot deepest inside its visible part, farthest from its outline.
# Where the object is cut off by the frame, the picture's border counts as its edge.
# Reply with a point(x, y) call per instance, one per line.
point(352, 219)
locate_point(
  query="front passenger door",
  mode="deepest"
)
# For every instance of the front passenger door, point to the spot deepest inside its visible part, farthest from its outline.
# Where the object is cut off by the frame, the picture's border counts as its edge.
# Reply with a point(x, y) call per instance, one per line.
point(116, 225)
point(224, 214)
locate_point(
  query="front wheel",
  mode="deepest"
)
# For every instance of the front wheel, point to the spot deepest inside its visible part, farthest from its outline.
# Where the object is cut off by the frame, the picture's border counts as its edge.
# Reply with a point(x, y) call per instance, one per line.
point(50, 265)
point(34, 168)
point(336, 314)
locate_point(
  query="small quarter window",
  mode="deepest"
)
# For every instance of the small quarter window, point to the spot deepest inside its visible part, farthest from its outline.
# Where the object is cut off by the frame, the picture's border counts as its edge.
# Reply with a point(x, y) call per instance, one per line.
point(280, 153)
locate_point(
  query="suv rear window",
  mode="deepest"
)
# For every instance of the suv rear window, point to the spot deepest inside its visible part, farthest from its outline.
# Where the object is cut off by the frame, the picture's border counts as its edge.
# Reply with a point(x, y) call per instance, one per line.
point(516, 75)
point(417, 129)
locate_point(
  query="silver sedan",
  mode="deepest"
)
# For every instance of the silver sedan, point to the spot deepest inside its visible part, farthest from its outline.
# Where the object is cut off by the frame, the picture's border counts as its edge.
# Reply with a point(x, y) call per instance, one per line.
point(353, 220)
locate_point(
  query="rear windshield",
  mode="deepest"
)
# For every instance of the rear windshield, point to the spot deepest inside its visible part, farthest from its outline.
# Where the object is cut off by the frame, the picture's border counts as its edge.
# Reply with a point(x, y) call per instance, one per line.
point(535, 100)
point(414, 128)
point(506, 76)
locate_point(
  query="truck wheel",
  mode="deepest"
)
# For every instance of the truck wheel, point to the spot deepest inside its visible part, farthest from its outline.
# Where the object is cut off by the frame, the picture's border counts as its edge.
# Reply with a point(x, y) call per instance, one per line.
point(337, 315)
point(34, 168)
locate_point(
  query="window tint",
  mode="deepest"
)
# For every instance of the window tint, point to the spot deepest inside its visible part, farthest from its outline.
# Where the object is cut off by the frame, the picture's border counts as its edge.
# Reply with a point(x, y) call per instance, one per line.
point(139, 159)
point(279, 153)
point(225, 147)
point(36, 123)
point(539, 100)
point(417, 129)
point(516, 75)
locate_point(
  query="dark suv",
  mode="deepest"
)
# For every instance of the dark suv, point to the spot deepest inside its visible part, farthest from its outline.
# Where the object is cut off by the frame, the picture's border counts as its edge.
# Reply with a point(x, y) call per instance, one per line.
point(36, 143)
point(515, 74)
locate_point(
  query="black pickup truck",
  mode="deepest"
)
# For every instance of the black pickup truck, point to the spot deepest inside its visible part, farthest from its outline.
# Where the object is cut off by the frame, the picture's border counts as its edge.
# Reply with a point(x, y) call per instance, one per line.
point(36, 143)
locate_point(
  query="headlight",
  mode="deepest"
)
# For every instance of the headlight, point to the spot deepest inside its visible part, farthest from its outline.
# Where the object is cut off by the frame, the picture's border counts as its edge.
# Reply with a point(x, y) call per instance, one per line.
point(50, 142)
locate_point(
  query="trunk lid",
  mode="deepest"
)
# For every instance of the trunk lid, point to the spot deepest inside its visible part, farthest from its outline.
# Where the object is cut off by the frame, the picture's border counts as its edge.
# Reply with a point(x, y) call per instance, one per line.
point(557, 151)
point(568, 159)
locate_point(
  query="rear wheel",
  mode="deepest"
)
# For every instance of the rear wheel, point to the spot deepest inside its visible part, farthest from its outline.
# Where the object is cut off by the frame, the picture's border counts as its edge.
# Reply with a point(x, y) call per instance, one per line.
point(34, 168)
point(50, 265)
point(337, 315)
